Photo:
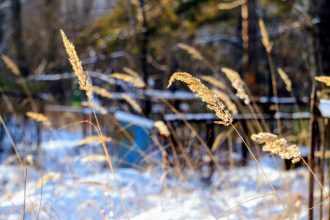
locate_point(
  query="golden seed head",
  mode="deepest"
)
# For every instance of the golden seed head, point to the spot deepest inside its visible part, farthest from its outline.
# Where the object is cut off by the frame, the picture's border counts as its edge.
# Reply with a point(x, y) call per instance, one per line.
point(264, 36)
point(135, 81)
point(278, 146)
point(207, 96)
point(237, 83)
point(132, 103)
point(162, 128)
point(323, 79)
point(191, 51)
point(84, 80)
point(285, 79)
point(39, 118)
point(11, 65)
point(94, 139)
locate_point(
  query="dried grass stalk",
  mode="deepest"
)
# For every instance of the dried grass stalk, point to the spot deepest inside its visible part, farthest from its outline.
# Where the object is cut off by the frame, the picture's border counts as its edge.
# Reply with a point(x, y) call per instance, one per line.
point(94, 139)
point(131, 72)
point(230, 5)
point(278, 146)
point(207, 96)
point(96, 183)
point(101, 92)
point(214, 82)
point(11, 65)
point(52, 176)
point(191, 50)
point(264, 36)
point(237, 83)
point(132, 103)
point(323, 79)
point(162, 128)
point(135, 81)
point(95, 157)
point(39, 118)
point(285, 79)
point(84, 80)
point(227, 101)
point(95, 106)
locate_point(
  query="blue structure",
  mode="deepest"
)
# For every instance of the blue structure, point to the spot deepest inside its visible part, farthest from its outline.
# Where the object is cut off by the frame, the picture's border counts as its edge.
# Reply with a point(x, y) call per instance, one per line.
point(139, 129)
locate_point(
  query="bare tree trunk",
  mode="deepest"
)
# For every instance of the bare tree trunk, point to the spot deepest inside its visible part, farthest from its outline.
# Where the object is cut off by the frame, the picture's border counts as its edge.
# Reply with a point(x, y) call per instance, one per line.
point(17, 35)
point(249, 39)
point(144, 53)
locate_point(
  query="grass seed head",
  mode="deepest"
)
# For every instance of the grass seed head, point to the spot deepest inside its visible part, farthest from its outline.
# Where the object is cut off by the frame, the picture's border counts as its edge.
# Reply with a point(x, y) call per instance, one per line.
point(11, 65)
point(207, 96)
point(285, 79)
point(323, 79)
point(237, 83)
point(278, 146)
point(84, 81)
point(264, 36)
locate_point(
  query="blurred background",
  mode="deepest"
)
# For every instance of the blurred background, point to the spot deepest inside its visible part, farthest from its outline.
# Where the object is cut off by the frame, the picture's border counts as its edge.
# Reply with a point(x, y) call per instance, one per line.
point(159, 137)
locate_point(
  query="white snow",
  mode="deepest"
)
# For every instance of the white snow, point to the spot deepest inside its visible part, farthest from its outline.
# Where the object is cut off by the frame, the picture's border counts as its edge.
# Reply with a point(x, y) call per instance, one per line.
point(82, 191)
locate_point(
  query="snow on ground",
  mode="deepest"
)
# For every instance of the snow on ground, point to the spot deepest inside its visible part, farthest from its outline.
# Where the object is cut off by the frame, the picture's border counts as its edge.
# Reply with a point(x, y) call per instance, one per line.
point(91, 191)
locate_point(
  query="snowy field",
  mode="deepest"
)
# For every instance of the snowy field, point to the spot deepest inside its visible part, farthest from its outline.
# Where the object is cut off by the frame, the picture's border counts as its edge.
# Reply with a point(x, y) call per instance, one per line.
point(89, 190)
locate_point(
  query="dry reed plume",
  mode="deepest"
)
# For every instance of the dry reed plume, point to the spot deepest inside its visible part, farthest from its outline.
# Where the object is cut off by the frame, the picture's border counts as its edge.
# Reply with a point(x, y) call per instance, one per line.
point(39, 118)
point(135, 81)
point(84, 80)
point(11, 65)
point(278, 146)
point(94, 139)
point(323, 79)
point(95, 106)
point(132, 103)
point(162, 128)
point(285, 79)
point(191, 51)
point(237, 83)
point(52, 176)
point(207, 96)
point(265, 37)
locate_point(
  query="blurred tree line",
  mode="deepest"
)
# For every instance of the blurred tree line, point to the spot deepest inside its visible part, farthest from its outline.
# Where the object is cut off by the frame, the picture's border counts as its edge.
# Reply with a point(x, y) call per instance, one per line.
point(143, 35)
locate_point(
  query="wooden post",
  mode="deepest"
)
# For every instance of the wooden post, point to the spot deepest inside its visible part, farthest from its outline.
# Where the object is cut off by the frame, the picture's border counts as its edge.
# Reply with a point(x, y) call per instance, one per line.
point(16, 12)
point(210, 140)
point(314, 145)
